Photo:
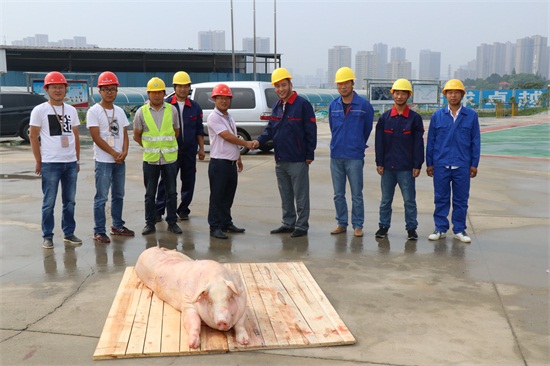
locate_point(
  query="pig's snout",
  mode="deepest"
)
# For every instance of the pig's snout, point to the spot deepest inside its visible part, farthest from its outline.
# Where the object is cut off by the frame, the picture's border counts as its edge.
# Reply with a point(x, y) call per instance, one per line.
point(223, 319)
point(222, 325)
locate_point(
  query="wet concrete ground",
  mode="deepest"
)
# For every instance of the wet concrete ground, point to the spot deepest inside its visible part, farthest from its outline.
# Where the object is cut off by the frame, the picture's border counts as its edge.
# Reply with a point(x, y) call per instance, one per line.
point(407, 303)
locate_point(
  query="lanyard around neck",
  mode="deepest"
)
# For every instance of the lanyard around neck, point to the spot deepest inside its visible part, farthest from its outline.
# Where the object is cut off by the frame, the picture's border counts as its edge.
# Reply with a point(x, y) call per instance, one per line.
point(57, 115)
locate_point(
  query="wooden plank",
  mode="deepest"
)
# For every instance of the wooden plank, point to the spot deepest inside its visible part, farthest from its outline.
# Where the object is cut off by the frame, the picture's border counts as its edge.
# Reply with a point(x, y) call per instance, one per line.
point(254, 307)
point(291, 287)
point(262, 274)
point(153, 335)
point(139, 329)
point(323, 301)
point(108, 343)
point(136, 286)
point(171, 323)
point(314, 315)
point(212, 340)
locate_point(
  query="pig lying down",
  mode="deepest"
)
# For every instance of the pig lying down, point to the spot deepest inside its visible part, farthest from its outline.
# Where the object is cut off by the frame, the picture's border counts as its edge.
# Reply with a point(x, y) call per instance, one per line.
point(201, 289)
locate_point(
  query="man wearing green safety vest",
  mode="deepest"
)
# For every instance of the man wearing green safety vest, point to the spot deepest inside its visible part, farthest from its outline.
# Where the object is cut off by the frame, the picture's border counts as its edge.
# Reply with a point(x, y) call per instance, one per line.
point(156, 128)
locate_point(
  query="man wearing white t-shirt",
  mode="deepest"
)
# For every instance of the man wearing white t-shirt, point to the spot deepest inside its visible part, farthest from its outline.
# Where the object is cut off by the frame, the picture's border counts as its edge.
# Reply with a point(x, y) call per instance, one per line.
point(55, 145)
point(107, 124)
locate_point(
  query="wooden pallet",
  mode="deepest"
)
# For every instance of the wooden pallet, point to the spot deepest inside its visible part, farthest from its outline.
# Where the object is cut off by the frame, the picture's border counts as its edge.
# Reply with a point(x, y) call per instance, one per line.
point(286, 309)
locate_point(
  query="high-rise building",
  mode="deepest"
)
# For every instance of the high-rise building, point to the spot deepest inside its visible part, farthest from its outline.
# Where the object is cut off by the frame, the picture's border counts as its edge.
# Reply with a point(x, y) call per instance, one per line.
point(262, 44)
point(540, 56)
point(524, 55)
point(212, 40)
point(381, 50)
point(510, 62)
point(398, 54)
point(429, 65)
point(366, 67)
point(484, 59)
point(338, 56)
point(398, 69)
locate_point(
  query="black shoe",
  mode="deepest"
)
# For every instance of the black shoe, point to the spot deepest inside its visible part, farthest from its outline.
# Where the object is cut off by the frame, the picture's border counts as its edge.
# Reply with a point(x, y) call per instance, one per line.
point(382, 232)
point(218, 233)
point(148, 229)
point(233, 229)
point(412, 235)
point(159, 218)
point(297, 233)
point(183, 216)
point(175, 229)
point(282, 230)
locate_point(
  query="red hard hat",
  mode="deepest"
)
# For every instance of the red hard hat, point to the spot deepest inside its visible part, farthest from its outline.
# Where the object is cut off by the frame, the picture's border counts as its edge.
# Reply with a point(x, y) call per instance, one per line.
point(107, 78)
point(221, 90)
point(55, 77)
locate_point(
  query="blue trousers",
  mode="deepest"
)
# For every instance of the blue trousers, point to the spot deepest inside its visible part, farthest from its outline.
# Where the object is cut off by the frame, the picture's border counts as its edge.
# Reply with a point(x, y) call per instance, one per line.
point(352, 169)
point(109, 176)
point(406, 182)
point(449, 181)
point(52, 175)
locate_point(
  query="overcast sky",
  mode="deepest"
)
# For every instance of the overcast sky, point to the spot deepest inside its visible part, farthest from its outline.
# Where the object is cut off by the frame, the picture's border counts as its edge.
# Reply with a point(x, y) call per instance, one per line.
point(306, 29)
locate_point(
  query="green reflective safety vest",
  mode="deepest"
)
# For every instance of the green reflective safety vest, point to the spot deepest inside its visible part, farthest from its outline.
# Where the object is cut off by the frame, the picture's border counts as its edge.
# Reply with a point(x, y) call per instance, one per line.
point(156, 142)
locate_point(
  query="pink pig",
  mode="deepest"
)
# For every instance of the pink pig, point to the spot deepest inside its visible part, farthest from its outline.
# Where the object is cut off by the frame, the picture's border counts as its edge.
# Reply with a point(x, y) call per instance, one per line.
point(201, 289)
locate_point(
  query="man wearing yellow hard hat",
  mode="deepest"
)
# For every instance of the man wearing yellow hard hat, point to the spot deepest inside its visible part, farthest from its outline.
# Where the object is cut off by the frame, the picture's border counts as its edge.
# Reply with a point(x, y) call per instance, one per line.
point(293, 129)
point(350, 119)
point(452, 156)
point(399, 146)
point(156, 127)
point(190, 142)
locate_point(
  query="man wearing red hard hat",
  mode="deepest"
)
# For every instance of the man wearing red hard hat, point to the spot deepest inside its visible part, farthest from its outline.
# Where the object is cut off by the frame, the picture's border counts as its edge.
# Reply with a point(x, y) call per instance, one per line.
point(55, 145)
point(107, 124)
point(225, 163)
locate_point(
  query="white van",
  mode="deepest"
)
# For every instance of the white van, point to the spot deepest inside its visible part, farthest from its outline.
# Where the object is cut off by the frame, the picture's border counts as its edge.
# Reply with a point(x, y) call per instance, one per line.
point(250, 106)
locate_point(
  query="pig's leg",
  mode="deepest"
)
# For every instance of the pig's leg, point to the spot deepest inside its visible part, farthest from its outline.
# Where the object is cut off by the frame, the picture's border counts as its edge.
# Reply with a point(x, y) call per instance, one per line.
point(240, 331)
point(192, 323)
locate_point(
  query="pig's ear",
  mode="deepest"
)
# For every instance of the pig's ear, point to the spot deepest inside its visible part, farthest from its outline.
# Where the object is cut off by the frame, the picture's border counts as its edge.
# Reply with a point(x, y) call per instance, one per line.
point(200, 293)
point(231, 285)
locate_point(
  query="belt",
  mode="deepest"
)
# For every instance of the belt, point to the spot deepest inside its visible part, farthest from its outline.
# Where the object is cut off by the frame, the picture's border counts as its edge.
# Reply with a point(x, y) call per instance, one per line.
point(232, 162)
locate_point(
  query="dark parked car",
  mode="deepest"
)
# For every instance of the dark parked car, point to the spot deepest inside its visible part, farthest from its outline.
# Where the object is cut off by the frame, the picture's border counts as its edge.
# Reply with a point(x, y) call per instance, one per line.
point(15, 113)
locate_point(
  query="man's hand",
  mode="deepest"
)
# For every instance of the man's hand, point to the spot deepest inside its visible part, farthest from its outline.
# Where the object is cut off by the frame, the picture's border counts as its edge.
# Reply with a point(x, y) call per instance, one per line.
point(430, 171)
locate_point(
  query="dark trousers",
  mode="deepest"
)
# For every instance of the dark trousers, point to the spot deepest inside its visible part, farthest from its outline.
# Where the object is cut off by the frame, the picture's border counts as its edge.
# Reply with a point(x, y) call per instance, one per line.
point(151, 175)
point(223, 176)
point(187, 166)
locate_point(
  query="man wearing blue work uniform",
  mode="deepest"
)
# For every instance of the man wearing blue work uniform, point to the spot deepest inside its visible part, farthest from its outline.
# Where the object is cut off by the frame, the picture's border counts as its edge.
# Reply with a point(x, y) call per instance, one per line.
point(293, 129)
point(452, 157)
point(399, 146)
point(350, 119)
point(190, 145)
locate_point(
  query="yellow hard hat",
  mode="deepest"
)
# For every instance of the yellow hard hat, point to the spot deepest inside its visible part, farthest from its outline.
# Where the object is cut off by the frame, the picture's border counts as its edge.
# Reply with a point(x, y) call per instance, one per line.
point(402, 84)
point(181, 78)
point(453, 84)
point(344, 74)
point(155, 84)
point(279, 74)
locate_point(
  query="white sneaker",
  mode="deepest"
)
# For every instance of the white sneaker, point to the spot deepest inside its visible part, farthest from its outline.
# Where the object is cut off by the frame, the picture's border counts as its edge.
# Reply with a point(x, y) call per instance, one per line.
point(436, 235)
point(463, 237)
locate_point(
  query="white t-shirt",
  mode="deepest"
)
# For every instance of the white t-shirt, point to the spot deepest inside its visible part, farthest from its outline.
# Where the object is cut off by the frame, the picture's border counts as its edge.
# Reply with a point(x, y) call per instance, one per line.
point(57, 140)
point(219, 147)
point(111, 125)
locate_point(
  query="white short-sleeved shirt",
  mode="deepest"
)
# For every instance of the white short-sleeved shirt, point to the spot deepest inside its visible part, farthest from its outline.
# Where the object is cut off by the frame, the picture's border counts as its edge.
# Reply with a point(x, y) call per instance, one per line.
point(219, 147)
point(111, 123)
point(53, 134)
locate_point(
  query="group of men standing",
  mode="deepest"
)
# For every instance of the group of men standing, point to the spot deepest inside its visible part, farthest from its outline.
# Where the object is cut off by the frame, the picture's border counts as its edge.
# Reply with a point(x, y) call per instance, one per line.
point(170, 130)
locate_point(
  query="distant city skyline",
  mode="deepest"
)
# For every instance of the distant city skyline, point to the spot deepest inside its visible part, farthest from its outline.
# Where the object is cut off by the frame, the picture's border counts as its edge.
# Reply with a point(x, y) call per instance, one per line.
point(526, 55)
